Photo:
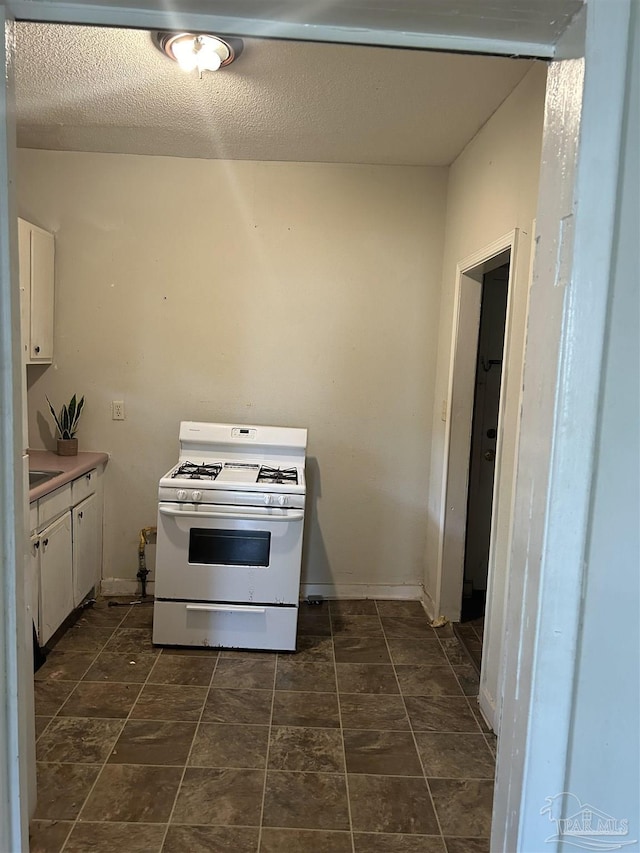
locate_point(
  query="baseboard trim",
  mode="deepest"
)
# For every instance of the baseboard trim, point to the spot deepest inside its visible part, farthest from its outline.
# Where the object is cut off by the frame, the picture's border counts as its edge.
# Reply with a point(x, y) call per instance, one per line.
point(362, 590)
point(401, 592)
point(428, 603)
point(123, 586)
point(487, 707)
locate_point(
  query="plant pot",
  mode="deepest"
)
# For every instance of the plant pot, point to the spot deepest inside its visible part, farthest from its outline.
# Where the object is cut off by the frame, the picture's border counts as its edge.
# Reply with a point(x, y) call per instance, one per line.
point(67, 447)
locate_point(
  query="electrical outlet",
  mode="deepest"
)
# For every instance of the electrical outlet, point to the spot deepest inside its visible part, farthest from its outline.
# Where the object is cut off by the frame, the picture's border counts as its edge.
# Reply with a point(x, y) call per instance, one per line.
point(117, 410)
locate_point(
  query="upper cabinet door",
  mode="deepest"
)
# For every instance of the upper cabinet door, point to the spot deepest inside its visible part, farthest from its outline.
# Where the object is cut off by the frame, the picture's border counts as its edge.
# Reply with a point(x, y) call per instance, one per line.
point(42, 273)
point(24, 264)
point(36, 250)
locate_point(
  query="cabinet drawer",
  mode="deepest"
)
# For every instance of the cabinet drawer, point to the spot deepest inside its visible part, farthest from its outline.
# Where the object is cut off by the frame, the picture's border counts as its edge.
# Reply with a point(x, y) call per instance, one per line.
point(33, 516)
point(53, 505)
point(84, 486)
point(230, 626)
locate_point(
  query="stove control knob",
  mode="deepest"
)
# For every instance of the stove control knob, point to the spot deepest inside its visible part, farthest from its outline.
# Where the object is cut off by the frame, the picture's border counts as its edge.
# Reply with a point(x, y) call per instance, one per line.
point(181, 494)
point(282, 500)
point(197, 495)
point(268, 499)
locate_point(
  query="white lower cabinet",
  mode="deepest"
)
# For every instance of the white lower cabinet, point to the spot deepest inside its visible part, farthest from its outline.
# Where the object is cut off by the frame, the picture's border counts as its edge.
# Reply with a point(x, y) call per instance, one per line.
point(33, 580)
point(56, 587)
point(66, 552)
point(86, 557)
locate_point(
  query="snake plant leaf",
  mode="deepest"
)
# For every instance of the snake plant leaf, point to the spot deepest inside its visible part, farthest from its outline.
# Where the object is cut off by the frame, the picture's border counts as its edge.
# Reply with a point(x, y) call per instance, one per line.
point(55, 417)
point(64, 418)
point(72, 411)
point(79, 408)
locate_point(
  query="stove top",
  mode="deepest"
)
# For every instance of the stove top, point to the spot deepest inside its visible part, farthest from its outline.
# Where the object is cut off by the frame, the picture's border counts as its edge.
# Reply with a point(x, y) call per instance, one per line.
point(235, 472)
point(226, 462)
point(195, 471)
point(267, 474)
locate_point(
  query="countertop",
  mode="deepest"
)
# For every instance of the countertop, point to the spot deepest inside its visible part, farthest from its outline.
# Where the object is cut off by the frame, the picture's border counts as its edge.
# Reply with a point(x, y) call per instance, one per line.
point(71, 467)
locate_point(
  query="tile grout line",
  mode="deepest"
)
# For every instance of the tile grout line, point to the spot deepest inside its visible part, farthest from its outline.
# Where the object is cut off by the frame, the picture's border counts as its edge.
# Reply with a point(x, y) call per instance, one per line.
point(266, 760)
point(469, 706)
point(475, 717)
point(104, 763)
point(186, 762)
point(344, 751)
point(491, 748)
point(274, 770)
point(77, 682)
point(471, 709)
point(72, 823)
point(455, 675)
point(413, 736)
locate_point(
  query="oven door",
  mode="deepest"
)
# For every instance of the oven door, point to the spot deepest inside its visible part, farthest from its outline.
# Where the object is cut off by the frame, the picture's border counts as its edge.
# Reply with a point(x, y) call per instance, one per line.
point(227, 553)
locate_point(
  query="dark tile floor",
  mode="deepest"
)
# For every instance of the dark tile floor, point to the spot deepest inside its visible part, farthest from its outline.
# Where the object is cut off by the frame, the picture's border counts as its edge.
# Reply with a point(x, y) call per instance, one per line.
point(367, 740)
point(470, 635)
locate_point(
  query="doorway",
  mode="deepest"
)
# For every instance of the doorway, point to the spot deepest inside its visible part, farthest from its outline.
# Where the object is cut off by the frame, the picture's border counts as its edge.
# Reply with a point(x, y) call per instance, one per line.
point(482, 459)
point(503, 266)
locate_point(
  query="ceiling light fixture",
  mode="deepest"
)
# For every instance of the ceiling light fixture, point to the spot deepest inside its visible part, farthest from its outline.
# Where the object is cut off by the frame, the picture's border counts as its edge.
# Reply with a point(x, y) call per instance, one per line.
point(199, 51)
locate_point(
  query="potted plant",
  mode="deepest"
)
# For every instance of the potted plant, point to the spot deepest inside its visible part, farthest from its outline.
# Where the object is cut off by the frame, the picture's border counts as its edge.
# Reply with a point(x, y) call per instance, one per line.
point(67, 426)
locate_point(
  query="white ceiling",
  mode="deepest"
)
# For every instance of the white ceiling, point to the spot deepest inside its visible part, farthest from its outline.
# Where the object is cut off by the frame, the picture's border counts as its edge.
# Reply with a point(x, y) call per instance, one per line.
point(111, 90)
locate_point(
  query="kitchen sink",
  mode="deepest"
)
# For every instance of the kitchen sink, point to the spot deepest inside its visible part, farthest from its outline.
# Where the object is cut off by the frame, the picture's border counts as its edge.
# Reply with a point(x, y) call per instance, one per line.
point(36, 478)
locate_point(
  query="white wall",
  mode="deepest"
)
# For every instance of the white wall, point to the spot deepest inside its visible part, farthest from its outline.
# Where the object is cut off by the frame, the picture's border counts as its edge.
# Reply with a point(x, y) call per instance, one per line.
point(605, 747)
point(292, 294)
point(492, 189)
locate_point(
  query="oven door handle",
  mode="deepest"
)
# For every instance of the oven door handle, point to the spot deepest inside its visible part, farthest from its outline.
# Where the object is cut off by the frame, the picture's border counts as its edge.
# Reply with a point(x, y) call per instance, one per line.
point(225, 608)
point(235, 515)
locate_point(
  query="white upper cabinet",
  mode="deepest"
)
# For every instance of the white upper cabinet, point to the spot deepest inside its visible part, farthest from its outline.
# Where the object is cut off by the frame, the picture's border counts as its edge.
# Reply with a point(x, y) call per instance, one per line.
point(36, 260)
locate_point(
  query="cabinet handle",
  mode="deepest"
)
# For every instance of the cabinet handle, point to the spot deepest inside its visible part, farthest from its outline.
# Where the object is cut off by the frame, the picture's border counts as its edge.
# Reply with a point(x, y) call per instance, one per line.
point(79, 515)
point(36, 545)
point(37, 349)
point(88, 477)
point(45, 543)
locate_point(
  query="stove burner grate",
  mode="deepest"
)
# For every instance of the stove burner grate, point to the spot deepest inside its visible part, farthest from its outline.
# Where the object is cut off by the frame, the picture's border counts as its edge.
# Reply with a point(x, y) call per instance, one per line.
point(193, 471)
point(267, 474)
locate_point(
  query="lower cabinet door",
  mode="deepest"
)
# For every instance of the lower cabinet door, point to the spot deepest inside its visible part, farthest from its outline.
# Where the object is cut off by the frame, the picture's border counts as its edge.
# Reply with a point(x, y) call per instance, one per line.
point(32, 590)
point(56, 587)
point(86, 564)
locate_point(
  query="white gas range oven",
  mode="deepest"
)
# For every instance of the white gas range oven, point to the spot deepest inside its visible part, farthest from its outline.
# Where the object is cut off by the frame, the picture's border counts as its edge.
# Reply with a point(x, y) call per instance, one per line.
point(229, 546)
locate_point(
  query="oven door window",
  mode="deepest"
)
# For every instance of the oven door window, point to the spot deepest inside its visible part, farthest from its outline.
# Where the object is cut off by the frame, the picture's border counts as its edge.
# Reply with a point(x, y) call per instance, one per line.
point(229, 547)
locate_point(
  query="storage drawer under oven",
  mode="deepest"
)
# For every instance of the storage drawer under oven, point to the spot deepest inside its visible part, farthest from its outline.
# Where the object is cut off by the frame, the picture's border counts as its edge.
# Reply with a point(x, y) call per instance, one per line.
point(231, 626)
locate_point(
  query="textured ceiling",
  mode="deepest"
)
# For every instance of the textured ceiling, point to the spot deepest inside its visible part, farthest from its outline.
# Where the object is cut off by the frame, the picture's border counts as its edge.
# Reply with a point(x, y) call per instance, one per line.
point(110, 90)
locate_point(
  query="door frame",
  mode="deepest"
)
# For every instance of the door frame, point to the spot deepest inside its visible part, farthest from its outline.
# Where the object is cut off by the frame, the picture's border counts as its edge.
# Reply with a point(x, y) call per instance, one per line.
point(462, 373)
point(567, 314)
point(532, 757)
point(459, 413)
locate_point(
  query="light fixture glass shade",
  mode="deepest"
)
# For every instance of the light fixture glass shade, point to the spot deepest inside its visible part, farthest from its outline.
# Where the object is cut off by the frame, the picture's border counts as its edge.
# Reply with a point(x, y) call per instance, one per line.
point(201, 51)
point(207, 56)
point(184, 53)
